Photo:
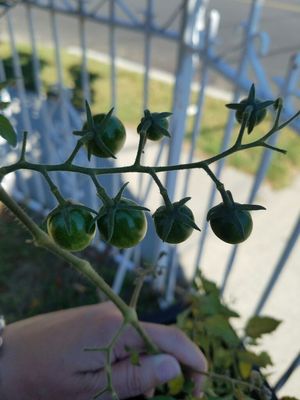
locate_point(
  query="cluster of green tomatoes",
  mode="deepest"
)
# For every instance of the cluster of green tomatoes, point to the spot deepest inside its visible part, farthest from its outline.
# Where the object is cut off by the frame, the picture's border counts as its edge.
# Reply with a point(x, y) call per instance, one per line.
point(121, 222)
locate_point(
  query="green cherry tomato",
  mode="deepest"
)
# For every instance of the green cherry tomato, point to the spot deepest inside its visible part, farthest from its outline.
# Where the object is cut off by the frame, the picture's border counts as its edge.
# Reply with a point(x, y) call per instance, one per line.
point(71, 227)
point(113, 136)
point(230, 224)
point(259, 114)
point(130, 225)
point(155, 134)
point(179, 231)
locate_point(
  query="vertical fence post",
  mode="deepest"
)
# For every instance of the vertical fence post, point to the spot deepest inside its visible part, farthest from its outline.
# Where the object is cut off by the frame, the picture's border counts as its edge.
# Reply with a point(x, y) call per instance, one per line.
point(85, 84)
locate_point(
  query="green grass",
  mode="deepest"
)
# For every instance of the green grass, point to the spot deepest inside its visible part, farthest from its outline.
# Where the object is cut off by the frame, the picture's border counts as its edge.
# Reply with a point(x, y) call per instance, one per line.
point(283, 168)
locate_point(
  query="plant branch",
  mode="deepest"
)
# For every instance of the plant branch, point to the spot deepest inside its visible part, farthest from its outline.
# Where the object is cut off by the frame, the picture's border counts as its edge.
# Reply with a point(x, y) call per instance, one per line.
point(142, 143)
point(101, 191)
point(162, 190)
point(78, 146)
point(246, 116)
point(53, 188)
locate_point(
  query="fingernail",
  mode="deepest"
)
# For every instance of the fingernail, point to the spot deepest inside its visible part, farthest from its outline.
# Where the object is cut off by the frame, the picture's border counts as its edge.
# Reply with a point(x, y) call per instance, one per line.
point(167, 367)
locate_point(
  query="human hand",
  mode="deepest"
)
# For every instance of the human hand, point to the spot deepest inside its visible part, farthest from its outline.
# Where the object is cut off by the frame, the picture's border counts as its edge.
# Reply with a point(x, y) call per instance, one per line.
point(43, 357)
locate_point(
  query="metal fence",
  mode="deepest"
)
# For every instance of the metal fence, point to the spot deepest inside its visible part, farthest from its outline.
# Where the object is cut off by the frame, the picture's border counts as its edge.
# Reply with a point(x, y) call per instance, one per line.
point(193, 33)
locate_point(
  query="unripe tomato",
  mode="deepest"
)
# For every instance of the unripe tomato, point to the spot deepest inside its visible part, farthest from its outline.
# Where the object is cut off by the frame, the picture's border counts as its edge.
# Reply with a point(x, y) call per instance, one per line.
point(230, 224)
point(153, 132)
point(129, 225)
point(113, 136)
point(71, 227)
point(258, 114)
point(179, 230)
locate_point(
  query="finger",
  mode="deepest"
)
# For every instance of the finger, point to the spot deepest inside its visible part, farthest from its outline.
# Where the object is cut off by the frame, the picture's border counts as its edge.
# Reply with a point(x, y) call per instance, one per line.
point(132, 380)
point(198, 380)
point(169, 340)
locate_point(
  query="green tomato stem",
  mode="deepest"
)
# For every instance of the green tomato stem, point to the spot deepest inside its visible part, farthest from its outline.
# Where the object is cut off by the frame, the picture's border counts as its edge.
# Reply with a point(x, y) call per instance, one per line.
point(53, 188)
point(78, 146)
point(23, 151)
point(142, 143)
point(246, 116)
point(101, 191)
point(163, 191)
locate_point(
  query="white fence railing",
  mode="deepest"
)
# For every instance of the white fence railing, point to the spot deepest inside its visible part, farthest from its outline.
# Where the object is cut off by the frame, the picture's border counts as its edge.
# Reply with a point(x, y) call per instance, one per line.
point(194, 33)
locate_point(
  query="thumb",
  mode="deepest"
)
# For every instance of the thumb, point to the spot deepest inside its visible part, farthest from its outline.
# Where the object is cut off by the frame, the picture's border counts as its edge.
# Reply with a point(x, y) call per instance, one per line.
point(133, 380)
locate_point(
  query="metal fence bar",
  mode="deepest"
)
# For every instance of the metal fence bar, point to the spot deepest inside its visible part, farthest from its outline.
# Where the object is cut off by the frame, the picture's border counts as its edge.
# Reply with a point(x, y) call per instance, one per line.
point(285, 376)
point(21, 95)
point(112, 52)
point(147, 51)
point(62, 101)
point(85, 84)
point(196, 131)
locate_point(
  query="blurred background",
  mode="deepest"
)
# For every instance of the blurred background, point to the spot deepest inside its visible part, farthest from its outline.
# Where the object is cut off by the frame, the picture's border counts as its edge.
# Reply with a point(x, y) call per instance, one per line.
point(190, 57)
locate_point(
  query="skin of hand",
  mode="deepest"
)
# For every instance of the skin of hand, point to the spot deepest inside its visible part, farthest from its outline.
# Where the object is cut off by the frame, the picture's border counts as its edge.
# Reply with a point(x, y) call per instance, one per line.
point(43, 357)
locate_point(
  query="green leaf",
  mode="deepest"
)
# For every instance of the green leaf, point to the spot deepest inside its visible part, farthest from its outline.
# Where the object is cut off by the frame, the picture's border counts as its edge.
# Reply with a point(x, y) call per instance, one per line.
point(259, 360)
point(7, 131)
point(257, 326)
point(209, 286)
point(219, 327)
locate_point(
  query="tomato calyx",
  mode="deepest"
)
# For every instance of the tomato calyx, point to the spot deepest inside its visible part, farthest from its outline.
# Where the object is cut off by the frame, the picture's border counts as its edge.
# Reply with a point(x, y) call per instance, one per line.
point(154, 125)
point(251, 109)
point(91, 133)
point(174, 222)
